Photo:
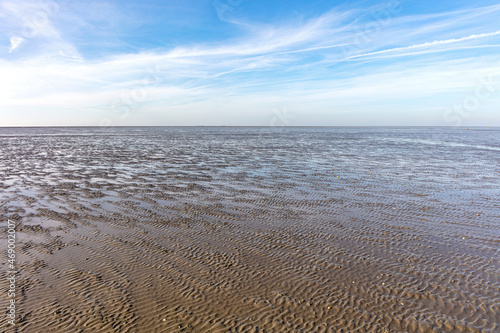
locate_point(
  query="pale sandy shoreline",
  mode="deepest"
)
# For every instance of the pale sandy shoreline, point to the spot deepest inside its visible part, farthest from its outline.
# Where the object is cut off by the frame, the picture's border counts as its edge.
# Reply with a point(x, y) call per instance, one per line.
point(108, 240)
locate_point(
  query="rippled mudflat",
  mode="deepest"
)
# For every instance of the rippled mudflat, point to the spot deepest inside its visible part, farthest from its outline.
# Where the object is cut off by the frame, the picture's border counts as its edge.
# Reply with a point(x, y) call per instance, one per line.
point(253, 229)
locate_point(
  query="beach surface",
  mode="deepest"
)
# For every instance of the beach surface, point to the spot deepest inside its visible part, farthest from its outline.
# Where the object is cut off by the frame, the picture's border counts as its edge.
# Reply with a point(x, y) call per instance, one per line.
point(251, 229)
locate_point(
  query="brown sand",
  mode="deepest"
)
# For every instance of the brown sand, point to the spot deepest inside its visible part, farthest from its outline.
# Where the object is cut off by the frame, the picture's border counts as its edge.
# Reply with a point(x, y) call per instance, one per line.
point(148, 250)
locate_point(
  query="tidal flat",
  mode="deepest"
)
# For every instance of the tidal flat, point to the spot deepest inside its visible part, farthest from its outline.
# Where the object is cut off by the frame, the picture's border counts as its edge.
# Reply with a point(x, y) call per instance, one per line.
point(249, 229)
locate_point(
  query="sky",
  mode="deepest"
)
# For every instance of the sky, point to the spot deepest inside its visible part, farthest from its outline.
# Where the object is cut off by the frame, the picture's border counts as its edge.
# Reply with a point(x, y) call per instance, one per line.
point(249, 63)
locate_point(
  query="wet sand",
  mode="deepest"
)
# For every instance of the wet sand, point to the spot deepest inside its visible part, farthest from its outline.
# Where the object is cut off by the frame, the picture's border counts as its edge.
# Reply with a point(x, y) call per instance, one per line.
point(252, 230)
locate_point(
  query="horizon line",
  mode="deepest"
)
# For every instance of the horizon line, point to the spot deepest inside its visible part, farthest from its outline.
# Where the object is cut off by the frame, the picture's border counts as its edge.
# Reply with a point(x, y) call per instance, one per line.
point(256, 126)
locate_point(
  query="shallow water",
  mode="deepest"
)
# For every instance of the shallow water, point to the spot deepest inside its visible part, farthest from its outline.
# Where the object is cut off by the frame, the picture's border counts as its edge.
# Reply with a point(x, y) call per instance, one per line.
point(255, 229)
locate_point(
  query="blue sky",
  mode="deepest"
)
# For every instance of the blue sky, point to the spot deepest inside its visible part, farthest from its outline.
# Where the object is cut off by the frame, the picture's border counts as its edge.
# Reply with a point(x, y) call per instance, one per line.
point(249, 62)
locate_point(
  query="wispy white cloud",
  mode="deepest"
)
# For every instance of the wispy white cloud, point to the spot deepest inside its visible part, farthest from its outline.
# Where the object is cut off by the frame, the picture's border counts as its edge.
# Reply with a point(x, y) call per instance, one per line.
point(15, 42)
point(411, 48)
point(303, 64)
point(32, 24)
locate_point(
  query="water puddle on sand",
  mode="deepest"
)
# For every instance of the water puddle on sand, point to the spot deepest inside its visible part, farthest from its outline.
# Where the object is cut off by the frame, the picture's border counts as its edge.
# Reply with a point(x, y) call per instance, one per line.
point(44, 223)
